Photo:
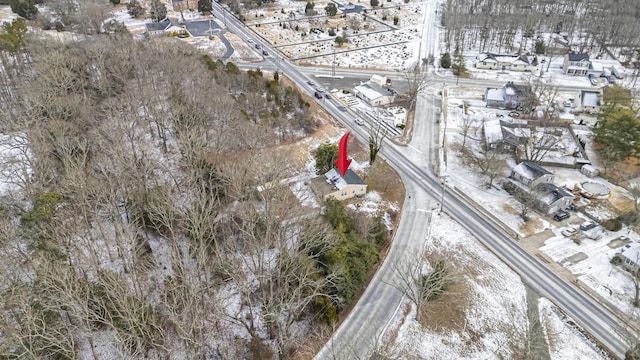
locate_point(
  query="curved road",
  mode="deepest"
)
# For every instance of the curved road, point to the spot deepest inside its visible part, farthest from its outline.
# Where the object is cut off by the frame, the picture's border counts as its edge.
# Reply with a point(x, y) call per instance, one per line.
point(357, 336)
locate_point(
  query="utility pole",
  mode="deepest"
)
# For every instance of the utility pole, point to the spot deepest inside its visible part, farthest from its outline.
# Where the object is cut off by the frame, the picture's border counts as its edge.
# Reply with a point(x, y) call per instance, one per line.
point(333, 68)
point(443, 181)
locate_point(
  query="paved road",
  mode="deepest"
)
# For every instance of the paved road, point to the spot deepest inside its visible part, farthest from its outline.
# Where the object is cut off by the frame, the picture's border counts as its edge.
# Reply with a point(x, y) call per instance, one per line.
point(412, 163)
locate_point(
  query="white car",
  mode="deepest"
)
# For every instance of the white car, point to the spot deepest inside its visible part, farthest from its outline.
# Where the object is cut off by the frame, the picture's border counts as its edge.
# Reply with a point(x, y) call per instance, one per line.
point(359, 121)
point(569, 231)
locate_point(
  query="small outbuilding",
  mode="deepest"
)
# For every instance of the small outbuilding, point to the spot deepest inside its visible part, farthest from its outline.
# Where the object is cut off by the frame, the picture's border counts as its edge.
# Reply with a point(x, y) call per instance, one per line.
point(589, 170)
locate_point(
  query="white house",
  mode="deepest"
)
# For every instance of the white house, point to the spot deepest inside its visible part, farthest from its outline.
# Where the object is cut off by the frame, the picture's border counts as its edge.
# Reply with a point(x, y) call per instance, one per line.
point(492, 61)
point(576, 64)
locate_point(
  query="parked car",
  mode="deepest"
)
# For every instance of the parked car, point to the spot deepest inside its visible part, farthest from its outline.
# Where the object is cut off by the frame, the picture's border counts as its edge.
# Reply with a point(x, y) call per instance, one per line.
point(593, 79)
point(588, 225)
point(317, 95)
point(342, 108)
point(359, 121)
point(561, 215)
point(514, 114)
point(569, 231)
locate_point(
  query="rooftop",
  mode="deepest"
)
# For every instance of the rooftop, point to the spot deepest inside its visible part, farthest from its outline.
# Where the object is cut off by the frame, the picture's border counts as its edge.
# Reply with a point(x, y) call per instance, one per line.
point(530, 170)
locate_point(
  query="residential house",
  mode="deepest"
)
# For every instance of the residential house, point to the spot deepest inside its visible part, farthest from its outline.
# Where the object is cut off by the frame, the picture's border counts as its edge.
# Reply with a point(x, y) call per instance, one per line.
point(576, 64)
point(373, 93)
point(184, 5)
point(162, 28)
point(504, 62)
point(510, 96)
point(157, 28)
point(505, 137)
point(341, 187)
point(590, 101)
point(534, 184)
point(630, 256)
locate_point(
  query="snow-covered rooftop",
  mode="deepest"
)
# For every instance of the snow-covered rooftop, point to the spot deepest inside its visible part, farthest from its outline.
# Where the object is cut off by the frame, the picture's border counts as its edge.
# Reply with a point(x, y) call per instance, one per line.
point(590, 98)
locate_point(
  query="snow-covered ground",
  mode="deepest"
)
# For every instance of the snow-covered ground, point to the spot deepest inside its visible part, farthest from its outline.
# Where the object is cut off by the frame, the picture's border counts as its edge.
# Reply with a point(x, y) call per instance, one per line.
point(588, 261)
point(566, 342)
point(495, 319)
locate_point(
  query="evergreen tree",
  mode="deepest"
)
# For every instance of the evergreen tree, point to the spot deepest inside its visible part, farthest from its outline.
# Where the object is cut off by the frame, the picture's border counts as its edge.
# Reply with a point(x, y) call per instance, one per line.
point(25, 8)
point(308, 9)
point(326, 157)
point(540, 47)
point(157, 10)
point(204, 6)
point(458, 66)
point(445, 62)
point(331, 9)
point(12, 41)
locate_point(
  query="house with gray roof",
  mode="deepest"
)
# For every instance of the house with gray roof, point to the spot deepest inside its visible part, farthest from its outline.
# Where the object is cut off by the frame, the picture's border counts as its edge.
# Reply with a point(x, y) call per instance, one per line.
point(511, 62)
point(534, 184)
point(504, 136)
point(341, 187)
point(510, 96)
point(576, 64)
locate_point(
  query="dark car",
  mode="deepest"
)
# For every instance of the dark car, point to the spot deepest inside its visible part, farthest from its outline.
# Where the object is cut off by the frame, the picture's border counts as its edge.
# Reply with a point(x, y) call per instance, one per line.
point(561, 215)
point(265, 53)
point(258, 46)
point(317, 95)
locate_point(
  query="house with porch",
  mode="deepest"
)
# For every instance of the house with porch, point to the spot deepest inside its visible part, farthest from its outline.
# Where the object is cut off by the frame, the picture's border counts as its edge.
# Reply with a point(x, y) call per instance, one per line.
point(576, 64)
point(493, 61)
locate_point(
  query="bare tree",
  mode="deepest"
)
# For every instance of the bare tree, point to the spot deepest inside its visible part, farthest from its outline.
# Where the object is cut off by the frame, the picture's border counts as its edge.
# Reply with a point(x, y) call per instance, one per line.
point(467, 123)
point(634, 190)
point(416, 77)
point(490, 163)
point(421, 281)
point(536, 147)
point(377, 135)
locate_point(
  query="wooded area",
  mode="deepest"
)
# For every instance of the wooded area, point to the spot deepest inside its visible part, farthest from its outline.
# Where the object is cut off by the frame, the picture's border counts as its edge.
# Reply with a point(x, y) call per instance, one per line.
point(498, 25)
point(146, 219)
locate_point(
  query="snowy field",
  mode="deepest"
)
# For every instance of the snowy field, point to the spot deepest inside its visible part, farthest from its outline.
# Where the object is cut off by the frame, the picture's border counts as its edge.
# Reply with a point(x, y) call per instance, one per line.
point(495, 319)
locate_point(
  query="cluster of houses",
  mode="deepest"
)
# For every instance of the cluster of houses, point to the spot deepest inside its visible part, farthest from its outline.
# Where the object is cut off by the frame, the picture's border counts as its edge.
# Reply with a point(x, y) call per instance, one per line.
point(516, 96)
point(573, 64)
